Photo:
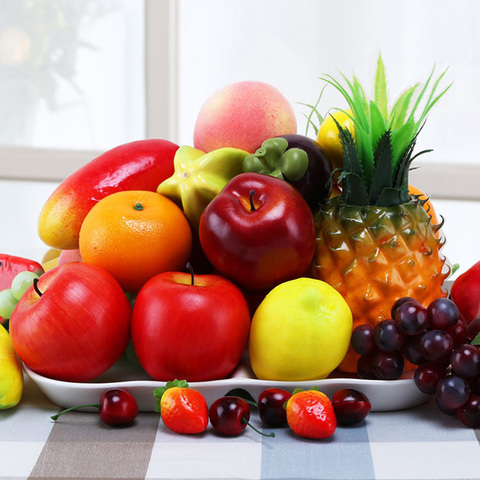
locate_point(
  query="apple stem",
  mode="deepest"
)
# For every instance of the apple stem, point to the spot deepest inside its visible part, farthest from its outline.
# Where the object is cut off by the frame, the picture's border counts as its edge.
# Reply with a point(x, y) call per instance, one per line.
point(190, 269)
point(35, 287)
point(252, 206)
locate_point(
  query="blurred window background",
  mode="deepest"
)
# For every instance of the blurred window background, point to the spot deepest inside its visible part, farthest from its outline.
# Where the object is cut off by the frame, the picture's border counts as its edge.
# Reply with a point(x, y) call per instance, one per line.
point(78, 77)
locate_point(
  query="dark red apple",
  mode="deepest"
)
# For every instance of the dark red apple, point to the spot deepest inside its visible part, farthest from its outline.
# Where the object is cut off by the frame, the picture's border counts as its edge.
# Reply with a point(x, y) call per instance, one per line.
point(259, 231)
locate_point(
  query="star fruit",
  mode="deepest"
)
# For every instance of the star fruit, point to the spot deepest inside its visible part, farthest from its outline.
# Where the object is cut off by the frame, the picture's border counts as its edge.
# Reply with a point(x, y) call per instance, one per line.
point(199, 177)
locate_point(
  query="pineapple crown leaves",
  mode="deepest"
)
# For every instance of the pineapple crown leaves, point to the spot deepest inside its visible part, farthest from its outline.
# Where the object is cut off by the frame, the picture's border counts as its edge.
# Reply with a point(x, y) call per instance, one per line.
point(381, 153)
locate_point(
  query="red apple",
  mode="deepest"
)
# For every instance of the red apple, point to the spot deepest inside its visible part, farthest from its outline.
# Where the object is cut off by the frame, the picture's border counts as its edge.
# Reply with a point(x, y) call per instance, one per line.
point(73, 324)
point(465, 292)
point(194, 331)
point(259, 231)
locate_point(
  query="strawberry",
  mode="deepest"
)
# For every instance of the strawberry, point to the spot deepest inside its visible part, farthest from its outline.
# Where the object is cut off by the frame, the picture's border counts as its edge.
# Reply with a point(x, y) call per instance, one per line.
point(310, 414)
point(183, 409)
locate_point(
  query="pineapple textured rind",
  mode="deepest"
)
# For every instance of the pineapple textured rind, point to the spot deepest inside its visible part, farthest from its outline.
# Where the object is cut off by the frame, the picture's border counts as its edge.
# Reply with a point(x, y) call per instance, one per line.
point(374, 255)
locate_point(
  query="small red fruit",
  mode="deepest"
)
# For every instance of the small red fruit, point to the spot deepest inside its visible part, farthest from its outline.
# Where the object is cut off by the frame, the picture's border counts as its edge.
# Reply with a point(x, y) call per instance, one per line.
point(350, 406)
point(270, 406)
point(310, 414)
point(183, 409)
point(117, 407)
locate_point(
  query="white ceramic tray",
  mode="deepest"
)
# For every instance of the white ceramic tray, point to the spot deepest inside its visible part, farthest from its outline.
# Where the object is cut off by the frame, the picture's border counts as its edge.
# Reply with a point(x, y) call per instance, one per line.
point(383, 395)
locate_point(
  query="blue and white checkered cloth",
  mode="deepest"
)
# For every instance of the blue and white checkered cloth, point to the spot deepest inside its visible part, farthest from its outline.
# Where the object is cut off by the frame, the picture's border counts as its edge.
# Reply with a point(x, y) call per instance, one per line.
point(418, 443)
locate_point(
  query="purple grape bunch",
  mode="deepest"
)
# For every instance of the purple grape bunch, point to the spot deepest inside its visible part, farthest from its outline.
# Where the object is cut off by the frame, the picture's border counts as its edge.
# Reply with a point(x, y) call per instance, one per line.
point(434, 339)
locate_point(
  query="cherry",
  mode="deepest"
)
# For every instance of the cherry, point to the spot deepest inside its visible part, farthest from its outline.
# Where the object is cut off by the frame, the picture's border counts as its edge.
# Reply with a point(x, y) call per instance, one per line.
point(117, 407)
point(270, 406)
point(230, 416)
point(350, 406)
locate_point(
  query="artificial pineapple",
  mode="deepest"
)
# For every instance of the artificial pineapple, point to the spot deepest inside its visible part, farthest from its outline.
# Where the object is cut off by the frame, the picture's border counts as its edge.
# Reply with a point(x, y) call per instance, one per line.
point(375, 242)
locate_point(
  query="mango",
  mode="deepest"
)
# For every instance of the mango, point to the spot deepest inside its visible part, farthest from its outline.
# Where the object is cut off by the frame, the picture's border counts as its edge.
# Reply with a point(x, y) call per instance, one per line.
point(138, 165)
point(11, 374)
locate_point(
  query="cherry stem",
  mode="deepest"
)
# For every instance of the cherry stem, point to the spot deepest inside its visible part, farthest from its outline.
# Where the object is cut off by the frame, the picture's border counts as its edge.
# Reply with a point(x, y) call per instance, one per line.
point(94, 405)
point(252, 206)
point(192, 274)
point(271, 434)
point(35, 287)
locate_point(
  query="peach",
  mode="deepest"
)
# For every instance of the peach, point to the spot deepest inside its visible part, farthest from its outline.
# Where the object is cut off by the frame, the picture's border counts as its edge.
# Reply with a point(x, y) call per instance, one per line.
point(67, 256)
point(243, 115)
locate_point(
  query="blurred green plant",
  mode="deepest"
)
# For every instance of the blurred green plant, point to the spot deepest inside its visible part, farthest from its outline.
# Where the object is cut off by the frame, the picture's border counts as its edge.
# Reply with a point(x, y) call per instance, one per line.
point(40, 41)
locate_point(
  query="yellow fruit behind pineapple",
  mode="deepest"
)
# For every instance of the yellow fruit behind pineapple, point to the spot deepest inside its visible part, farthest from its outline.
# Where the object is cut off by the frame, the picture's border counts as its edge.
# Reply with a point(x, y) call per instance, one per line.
point(11, 374)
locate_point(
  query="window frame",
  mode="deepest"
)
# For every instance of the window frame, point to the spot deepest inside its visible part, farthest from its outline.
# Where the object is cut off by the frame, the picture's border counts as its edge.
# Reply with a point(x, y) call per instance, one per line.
point(443, 181)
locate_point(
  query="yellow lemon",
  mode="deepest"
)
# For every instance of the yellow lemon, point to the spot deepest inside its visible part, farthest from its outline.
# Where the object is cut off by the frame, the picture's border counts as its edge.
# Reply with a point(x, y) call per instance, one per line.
point(11, 375)
point(328, 135)
point(300, 331)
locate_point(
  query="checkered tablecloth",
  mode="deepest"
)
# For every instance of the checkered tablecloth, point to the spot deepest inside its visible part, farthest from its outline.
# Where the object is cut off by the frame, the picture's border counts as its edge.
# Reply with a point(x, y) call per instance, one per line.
point(419, 443)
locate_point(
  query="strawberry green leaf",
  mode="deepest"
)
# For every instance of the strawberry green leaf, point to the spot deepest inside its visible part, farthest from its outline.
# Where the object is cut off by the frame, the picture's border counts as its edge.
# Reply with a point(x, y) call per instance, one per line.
point(243, 394)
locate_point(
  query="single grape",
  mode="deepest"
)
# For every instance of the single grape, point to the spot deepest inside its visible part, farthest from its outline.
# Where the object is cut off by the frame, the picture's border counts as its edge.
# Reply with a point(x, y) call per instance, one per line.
point(388, 337)
point(442, 314)
point(400, 302)
point(363, 341)
point(365, 367)
point(412, 350)
point(458, 333)
point(7, 303)
point(411, 318)
point(474, 383)
point(388, 365)
point(436, 345)
point(428, 375)
point(473, 329)
point(469, 412)
point(465, 361)
point(445, 410)
point(350, 406)
point(21, 282)
point(452, 392)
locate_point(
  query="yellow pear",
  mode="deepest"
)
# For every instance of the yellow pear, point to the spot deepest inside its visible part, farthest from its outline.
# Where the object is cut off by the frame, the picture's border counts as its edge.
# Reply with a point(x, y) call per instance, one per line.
point(11, 374)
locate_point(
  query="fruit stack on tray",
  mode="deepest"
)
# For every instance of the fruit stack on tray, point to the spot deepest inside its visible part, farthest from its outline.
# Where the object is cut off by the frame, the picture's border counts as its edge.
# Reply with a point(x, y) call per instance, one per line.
point(313, 254)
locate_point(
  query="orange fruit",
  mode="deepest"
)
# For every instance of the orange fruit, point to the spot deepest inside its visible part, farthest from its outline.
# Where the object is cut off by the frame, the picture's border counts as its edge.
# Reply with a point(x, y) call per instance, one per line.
point(135, 235)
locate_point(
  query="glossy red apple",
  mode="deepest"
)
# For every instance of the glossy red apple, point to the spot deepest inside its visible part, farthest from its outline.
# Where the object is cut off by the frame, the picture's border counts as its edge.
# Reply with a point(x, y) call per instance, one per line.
point(193, 331)
point(73, 324)
point(259, 231)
